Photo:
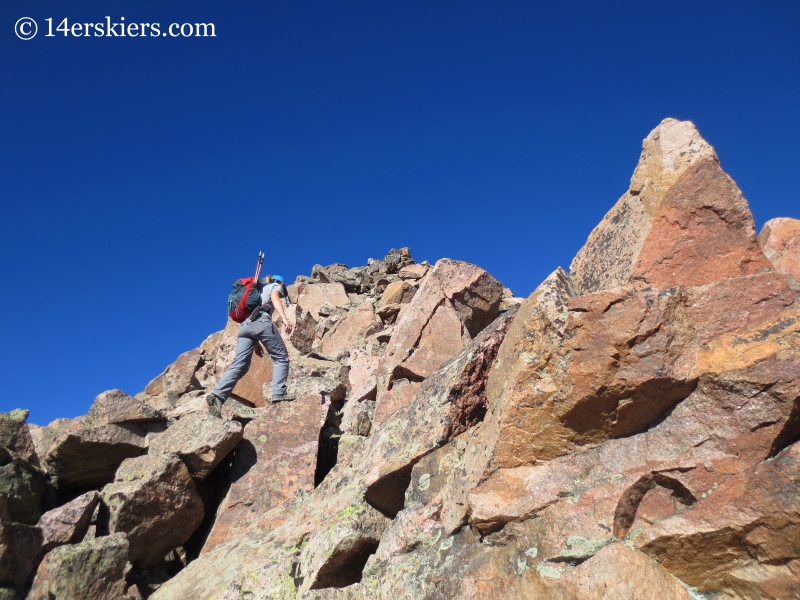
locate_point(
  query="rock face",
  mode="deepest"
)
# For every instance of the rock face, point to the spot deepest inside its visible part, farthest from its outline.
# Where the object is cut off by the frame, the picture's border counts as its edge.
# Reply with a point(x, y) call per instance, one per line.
point(634, 400)
point(363, 375)
point(154, 501)
point(93, 570)
point(759, 531)
point(449, 402)
point(629, 430)
point(276, 460)
point(780, 242)
point(398, 292)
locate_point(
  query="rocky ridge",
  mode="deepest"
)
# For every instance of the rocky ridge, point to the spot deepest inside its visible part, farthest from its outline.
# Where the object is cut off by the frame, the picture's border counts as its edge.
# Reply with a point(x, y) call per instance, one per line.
point(630, 430)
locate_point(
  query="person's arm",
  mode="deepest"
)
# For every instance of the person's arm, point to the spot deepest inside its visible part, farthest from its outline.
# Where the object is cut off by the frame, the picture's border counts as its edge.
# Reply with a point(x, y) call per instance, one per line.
point(277, 304)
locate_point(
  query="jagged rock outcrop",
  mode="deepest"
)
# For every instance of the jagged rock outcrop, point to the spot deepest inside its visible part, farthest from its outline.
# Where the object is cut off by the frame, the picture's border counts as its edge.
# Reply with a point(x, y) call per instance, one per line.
point(607, 259)
point(630, 430)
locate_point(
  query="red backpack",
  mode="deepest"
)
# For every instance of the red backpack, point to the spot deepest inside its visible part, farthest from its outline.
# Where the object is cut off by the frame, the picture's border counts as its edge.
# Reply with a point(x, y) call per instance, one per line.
point(244, 299)
point(246, 295)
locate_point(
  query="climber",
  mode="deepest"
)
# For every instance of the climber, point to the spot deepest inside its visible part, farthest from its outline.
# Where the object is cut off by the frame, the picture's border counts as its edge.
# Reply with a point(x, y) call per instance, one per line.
point(256, 330)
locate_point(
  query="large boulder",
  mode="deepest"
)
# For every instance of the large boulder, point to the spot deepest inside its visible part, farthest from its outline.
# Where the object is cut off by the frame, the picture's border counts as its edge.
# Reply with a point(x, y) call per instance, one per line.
point(416, 271)
point(20, 550)
point(22, 489)
point(15, 435)
point(780, 242)
point(363, 375)
point(388, 402)
point(432, 501)
point(92, 570)
point(304, 331)
point(80, 455)
point(68, 524)
point(309, 375)
point(117, 407)
point(466, 290)
point(618, 572)
point(398, 292)
point(200, 440)
point(180, 376)
point(342, 538)
point(702, 232)
point(349, 331)
point(276, 459)
point(311, 297)
point(154, 501)
point(440, 340)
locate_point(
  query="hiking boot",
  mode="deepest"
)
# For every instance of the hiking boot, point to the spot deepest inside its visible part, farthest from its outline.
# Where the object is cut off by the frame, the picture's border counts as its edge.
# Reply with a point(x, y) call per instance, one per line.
point(283, 398)
point(214, 406)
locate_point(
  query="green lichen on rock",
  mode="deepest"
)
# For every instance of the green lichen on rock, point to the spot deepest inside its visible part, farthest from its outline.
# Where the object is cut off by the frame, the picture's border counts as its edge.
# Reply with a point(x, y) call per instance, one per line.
point(91, 570)
point(22, 488)
point(580, 548)
point(546, 570)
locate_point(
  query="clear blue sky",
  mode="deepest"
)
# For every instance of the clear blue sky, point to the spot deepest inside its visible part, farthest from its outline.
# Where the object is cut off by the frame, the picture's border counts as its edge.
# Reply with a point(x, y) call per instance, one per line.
point(140, 176)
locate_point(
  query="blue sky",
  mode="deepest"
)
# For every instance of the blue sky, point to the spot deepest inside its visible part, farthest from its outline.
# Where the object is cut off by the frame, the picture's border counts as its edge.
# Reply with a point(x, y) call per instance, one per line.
point(140, 176)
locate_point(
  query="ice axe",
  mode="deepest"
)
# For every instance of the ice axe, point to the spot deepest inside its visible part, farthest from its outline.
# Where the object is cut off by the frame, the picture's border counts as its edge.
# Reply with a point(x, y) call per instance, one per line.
point(260, 350)
point(258, 265)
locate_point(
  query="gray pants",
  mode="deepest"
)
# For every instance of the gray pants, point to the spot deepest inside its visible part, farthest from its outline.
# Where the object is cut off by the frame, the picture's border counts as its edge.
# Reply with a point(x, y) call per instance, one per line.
point(249, 332)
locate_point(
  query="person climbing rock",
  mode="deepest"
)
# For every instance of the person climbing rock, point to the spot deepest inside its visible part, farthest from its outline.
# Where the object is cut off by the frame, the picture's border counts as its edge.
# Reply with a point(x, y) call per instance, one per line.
point(256, 330)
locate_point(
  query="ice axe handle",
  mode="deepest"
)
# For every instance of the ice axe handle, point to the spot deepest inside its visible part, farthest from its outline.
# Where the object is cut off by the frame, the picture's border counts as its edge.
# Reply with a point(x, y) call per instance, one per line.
point(258, 266)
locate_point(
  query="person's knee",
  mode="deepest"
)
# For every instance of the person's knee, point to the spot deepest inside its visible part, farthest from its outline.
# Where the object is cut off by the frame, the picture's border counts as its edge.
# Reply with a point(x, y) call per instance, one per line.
point(279, 355)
